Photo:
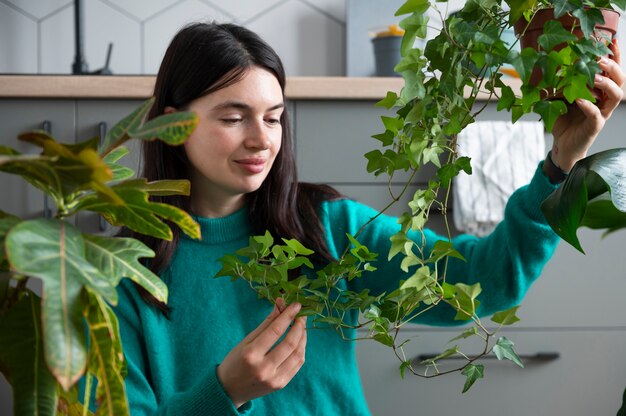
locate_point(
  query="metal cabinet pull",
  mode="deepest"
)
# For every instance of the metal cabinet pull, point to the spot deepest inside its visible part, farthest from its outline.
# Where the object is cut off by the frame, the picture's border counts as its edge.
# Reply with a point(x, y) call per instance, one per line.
point(540, 356)
point(46, 126)
point(102, 130)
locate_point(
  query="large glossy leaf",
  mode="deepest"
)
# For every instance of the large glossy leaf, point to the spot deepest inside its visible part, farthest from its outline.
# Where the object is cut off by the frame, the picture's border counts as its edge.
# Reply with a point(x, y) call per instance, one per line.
point(53, 251)
point(119, 133)
point(140, 214)
point(36, 170)
point(119, 257)
point(22, 358)
point(172, 128)
point(569, 207)
point(106, 358)
point(6, 223)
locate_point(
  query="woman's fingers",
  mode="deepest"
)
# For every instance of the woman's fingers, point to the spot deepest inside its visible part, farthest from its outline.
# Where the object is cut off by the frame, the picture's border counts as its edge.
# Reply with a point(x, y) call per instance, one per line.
point(292, 364)
point(272, 333)
point(617, 53)
point(289, 344)
point(612, 95)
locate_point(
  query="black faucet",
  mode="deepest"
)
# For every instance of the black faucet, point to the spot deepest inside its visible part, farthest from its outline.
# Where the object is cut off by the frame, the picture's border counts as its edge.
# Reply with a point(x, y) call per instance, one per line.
point(79, 66)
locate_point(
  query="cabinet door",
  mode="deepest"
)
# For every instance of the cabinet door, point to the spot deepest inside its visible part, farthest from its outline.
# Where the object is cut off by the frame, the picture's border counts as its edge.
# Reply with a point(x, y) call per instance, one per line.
point(94, 118)
point(587, 378)
point(18, 116)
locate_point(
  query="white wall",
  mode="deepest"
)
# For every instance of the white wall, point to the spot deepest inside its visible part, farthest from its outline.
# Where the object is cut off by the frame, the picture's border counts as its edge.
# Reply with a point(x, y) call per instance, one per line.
point(37, 36)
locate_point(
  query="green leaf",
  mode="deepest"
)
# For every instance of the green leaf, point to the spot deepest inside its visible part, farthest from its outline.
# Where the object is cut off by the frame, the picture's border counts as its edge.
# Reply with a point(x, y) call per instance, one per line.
point(554, 34)
point(506, 317)
point(22, 359)
point(158, 188)
point(472, 373)
point(412, 6)
point(465, 334)
point(118, 257)
point(120, 172)
point(106, 357)
point(518, 7)
point(465, 302)
point(141, 215)
point(173, 128)
point(53, 251)
point(550, 111)
point(504, 349)
point(414, 26)
point(418, 280)
point(119, 133)
point(384, 339)
point(403, 367)
point(298, 247)
point(447, 353)
point(507, 99)
point(578, 89)
point(588, 19)
point(389, 101)
point(565, 208)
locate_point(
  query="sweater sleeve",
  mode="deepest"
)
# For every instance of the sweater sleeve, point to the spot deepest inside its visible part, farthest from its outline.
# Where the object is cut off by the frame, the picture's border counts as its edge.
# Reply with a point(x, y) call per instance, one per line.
point(505, 263)
point(206, 397)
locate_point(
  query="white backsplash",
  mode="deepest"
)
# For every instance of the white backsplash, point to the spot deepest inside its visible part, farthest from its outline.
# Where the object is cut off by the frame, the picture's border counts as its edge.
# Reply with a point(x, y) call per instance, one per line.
point(37, 36)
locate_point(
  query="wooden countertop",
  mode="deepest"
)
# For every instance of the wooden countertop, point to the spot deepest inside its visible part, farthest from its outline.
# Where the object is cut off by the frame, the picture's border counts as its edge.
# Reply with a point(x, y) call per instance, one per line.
point(140, 87)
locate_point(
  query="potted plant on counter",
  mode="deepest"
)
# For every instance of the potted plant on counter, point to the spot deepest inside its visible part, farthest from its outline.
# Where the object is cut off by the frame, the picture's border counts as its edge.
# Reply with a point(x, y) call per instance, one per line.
point(48, 342)
point(438, 100)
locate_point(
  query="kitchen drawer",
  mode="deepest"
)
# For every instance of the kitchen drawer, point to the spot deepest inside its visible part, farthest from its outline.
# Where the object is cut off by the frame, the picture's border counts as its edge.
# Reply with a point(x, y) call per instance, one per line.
point(332, 138)
point(19, 116)
point(588, 378)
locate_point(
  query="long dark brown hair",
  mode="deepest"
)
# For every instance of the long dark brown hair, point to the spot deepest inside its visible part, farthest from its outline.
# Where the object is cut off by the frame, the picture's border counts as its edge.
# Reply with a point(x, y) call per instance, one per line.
point(203, 58)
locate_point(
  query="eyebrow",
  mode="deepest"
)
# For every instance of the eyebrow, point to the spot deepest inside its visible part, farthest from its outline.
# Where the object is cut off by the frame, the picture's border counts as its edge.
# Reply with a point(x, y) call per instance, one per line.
point(243, 106)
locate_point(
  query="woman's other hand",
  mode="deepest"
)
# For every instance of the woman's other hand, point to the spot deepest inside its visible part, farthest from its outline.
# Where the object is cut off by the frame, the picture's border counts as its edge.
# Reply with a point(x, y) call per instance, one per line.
point(258, 366)
point(575, 132)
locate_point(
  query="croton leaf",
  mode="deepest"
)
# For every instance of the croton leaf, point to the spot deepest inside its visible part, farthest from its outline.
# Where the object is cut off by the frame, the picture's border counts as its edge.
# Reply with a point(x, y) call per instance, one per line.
point(119, 133)
point(53, 251)
point(139, 214)
point(119, 257)
point(159, 188)
point(22, 358)
point(36, 170)
point(172, 129)
point(575, 203)
point(120, 172)
point(106, 358)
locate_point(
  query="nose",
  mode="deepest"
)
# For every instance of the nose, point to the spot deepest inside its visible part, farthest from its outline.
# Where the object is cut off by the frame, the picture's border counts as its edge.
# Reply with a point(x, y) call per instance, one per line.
point(258, 137)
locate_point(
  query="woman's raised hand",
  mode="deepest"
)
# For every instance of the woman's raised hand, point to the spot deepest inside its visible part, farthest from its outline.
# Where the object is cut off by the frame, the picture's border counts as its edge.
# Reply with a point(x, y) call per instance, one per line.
point(258, 366)
point(576, 131)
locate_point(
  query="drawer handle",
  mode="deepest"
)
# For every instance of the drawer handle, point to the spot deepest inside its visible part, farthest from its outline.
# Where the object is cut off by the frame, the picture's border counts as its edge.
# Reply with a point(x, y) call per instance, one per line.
point(540, 356)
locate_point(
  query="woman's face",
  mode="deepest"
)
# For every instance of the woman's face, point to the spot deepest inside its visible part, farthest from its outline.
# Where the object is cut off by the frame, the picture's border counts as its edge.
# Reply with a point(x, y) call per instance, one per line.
point(236, 142)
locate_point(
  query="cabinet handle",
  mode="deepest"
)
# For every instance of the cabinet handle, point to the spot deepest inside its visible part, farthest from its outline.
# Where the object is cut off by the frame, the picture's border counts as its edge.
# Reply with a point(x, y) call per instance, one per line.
point(46, 126)
point(102, 130)
point(540, 356)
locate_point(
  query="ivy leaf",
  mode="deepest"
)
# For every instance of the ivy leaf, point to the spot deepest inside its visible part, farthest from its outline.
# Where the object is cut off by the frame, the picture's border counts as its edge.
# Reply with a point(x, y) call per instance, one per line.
point(554, 34)
point(418, 280)
point(550, 111)
point(389, 101)
point(588, 18)
point(465, 334)
point(506, 317)
point(412, 6)
point(119, 257)
point(414, 26)
point(523, 62)
point(577, 88)
point(504, 349)
point(473, 372)
point(298, 247)
point(22, 359)
point(447, 353)
point(465, 302)
point(403, 367)
point(507, 98)
point(53, 251)
point(384, 339)
point(566, 208)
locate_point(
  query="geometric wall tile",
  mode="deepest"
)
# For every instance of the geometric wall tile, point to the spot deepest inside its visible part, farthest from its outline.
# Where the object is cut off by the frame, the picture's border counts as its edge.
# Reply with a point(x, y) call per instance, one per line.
point(335, 8)
point(18, 42)
point(309, 43)
point(243, 10)
point(159, 30)
point(39, 9)
point(104, 24)
point(142, 9)
point(56, 42)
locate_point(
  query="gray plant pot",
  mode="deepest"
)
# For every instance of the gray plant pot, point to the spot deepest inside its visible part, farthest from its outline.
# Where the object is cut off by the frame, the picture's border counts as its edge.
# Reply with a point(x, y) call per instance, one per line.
point(387, 55)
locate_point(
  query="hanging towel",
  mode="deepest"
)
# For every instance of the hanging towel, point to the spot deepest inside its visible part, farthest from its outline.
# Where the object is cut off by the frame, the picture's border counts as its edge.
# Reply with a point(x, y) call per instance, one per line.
point(504, 157)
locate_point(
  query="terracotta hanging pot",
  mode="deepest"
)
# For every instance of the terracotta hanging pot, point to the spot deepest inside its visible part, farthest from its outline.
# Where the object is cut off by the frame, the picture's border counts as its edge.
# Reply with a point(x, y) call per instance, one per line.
point(534, 29)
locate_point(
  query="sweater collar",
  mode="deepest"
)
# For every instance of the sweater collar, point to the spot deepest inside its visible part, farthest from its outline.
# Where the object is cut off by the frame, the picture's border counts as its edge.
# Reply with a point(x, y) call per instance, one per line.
point(225, 229)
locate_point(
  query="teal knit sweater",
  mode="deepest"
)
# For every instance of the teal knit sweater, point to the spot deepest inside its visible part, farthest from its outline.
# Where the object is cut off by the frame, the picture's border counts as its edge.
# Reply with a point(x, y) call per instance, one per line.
point(172, 363)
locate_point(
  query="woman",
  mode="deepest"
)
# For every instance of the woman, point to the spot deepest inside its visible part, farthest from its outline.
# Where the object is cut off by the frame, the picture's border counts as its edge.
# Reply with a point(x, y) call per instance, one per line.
point(216, 348)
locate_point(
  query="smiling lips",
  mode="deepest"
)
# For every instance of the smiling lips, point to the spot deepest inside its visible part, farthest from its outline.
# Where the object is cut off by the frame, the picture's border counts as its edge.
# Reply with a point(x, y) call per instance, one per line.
point(252, 165)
